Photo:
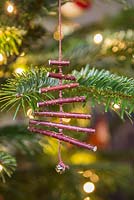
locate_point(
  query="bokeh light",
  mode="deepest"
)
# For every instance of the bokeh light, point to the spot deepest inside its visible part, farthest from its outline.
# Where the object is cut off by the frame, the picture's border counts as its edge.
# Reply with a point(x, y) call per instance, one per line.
point(88, 187)
point(116, 106)
point(94, 178)
point(1, 167)
point(19, 70)
point(115, 49)
point(56, 35)
point(87, 198)
point(66, 120)
point(10, 8)
point(82, 158)
point(1, 74)
point(1, 57)
point(87, 173)
point(98, 38)
point(30, 113)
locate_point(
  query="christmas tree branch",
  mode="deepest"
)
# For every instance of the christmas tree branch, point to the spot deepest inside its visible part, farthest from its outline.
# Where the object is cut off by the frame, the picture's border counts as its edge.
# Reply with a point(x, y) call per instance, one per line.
point(7, 165)
point(16, 139)
point(19, 139)
point(106, 88)
point(98, 86)
point(23, 90)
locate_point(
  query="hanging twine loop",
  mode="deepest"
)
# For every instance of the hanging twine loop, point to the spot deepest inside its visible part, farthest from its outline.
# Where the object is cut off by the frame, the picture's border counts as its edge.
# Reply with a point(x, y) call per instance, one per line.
point(61, 166)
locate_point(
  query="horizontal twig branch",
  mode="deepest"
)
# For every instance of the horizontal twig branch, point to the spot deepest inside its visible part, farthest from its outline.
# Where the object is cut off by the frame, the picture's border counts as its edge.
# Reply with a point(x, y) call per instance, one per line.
point(63, 115)
point(62, 126)
point(61, 76)
point(61, 101)
point(60, 63)
point(64, 138)
point(58, 87)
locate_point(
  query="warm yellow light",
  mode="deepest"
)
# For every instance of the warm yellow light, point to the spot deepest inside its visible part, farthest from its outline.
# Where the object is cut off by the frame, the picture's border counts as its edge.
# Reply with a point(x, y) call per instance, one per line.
point(115, 49)
point(108, 42)
point(30, 113)
point(66, 120)
point(82, 158)
point(130, 50)
point(94, 178)
point(122, 45)
point(22, 54)
point(88, 187)
point(6, 74)
point(1, 167)
point(116, 106)
point(19, 70)
point(56, 35)
point(80, 172)
point(10, 8)
point(52, 13)
point(1, 57)
point(87, 198)
point(122, 58)
point(87, 173)
point(1, 74)
point(98, 38)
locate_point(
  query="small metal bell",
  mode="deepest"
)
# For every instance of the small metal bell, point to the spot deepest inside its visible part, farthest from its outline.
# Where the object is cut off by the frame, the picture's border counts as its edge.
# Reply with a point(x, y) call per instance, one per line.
point(60, 168)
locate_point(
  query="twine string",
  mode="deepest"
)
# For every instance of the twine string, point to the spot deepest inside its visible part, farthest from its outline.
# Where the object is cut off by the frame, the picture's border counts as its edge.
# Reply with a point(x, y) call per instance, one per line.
point(60, 81)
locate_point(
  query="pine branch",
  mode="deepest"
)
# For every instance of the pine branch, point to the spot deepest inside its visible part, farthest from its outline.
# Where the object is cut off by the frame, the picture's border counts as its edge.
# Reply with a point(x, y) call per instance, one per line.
point(17, 138)
point(23, 90)
point(106, 88)
point(98, 86)
point(7, 165)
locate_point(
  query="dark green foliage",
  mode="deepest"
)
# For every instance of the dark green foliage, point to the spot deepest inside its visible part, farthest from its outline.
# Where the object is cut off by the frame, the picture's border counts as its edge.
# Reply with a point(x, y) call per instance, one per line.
point(8, 165)
point(18, 139)
point(38, 180)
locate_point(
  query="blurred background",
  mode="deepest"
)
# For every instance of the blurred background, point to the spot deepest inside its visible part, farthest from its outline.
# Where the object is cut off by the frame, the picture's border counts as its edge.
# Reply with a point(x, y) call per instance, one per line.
point(99, 33)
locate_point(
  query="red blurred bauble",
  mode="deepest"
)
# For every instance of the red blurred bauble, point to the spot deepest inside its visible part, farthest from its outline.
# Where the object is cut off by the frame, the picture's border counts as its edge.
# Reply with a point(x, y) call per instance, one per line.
point(75, 8)
point(101, 138)
point(83, 4)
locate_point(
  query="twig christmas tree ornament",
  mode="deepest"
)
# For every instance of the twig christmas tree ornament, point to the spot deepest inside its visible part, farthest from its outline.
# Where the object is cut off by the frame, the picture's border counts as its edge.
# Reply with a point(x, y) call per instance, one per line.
point(34, 125)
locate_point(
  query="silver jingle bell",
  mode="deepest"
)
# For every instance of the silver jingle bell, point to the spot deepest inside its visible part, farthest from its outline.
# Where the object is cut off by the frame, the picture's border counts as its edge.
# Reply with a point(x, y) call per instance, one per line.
point(60, 168)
